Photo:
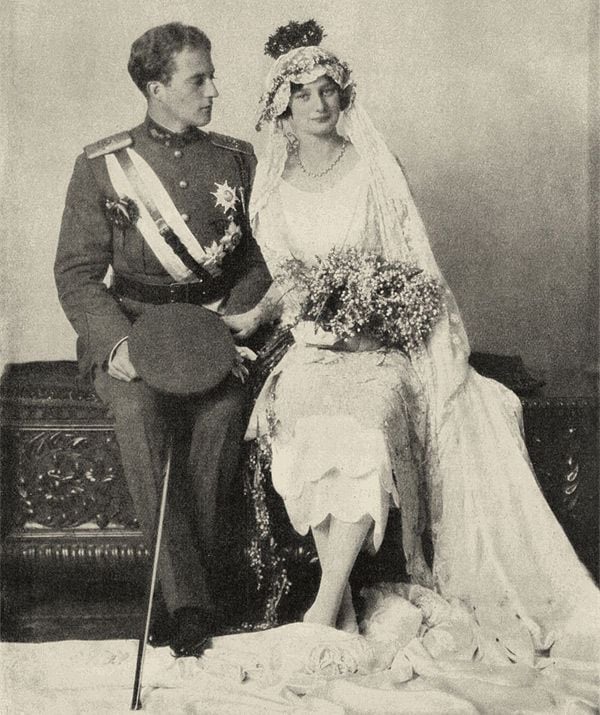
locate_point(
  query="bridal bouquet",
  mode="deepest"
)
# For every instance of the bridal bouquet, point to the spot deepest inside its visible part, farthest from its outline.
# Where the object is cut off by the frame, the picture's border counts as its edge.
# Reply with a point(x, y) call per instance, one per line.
point(351, 293)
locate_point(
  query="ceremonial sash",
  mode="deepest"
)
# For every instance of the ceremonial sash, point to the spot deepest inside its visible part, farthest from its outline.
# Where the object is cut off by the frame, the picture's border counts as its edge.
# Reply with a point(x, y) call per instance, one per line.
point(131, 176)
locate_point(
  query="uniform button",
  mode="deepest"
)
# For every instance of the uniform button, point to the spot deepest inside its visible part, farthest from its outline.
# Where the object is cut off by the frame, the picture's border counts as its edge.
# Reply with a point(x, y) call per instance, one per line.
point(183, 184)
point(177, 154)
point(185, 217)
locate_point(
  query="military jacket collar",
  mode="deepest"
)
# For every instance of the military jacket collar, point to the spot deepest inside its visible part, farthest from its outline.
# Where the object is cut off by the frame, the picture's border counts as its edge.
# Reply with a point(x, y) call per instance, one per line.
point(173, 139)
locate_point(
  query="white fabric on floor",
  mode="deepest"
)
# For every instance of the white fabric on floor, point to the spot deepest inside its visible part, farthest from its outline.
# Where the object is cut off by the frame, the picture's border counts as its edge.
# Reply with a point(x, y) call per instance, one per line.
point(419, 654)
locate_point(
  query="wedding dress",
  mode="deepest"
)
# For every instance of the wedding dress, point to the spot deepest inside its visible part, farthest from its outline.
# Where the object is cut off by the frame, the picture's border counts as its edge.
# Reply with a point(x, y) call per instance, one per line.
point(426, 426)
point(337, 446)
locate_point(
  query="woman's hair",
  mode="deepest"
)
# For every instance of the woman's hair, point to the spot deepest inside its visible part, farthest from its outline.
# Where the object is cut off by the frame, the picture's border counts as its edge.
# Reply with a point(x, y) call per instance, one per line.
point(345, 97)
point(152, 57)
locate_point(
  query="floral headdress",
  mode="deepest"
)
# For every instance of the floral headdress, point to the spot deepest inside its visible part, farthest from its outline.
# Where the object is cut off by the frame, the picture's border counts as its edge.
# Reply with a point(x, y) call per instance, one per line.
point(299, 60)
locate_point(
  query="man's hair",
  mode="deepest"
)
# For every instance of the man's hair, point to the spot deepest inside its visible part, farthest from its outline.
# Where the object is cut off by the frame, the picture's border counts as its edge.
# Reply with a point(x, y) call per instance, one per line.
point(152, 57)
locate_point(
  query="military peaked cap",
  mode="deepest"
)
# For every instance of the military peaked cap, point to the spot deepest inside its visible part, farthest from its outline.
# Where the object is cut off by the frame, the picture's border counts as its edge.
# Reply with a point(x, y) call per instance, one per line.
point(181, 349)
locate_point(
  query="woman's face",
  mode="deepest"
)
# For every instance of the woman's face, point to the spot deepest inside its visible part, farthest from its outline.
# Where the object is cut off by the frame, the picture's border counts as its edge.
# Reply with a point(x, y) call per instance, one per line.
point(315, 107)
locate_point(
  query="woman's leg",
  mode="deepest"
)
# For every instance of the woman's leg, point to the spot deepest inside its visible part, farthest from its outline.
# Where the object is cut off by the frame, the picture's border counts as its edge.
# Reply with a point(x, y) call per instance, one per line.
point(321, 538)
point(346, 620)
point(338, 546)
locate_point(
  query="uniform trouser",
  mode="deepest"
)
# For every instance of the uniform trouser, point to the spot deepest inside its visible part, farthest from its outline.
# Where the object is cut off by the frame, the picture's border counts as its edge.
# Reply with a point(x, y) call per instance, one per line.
point(213, 426)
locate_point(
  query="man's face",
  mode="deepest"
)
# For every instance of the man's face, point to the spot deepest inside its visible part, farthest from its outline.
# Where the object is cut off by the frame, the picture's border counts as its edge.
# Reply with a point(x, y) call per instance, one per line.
point(187, 99)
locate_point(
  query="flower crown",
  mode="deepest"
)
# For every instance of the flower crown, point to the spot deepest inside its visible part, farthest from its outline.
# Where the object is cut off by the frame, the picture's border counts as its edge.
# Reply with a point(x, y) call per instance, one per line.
point(299, 60)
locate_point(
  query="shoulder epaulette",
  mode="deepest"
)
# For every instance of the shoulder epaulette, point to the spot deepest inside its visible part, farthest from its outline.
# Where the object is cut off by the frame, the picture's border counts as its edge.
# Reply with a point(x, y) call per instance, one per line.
point(108, 145)
point(231, 143)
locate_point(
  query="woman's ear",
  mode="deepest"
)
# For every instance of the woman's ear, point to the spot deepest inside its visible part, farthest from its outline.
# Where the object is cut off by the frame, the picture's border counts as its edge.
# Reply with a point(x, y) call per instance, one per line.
point(293, 142)
point(287, 129)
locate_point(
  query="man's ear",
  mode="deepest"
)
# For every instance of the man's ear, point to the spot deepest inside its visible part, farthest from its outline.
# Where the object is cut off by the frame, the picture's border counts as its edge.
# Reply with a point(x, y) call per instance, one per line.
point(154, 89)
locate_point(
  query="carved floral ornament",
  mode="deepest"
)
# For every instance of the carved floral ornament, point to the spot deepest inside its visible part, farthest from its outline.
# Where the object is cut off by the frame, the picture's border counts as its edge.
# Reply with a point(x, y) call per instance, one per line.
point(69, 478)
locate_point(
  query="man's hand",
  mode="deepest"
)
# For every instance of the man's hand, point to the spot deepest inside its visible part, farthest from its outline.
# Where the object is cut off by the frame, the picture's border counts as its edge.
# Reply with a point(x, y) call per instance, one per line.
point(120, 366)
point(243, 325)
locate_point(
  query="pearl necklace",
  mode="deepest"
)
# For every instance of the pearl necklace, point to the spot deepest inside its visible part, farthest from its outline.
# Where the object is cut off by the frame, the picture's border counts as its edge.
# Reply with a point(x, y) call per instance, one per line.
point(319, 174)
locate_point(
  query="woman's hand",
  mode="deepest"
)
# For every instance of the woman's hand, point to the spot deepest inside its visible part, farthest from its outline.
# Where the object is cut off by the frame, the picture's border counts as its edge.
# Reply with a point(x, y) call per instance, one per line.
point(243, 325)
point(307, 333)
point(358, 344)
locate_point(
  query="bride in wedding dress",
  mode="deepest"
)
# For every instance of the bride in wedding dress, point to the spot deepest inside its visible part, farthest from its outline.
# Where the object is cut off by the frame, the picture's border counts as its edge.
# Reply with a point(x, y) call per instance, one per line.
point(356, 431)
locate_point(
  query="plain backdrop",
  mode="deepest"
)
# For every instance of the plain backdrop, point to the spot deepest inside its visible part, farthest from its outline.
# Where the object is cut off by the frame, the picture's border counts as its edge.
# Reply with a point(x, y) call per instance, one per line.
point(490, 104)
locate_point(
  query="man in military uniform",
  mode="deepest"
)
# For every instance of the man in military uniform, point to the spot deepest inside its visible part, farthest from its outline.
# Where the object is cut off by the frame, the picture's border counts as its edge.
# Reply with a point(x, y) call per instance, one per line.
point(165, 205)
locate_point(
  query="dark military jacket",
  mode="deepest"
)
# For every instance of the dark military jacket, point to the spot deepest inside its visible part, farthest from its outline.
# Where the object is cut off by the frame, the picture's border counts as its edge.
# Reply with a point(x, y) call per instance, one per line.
point(189, 166)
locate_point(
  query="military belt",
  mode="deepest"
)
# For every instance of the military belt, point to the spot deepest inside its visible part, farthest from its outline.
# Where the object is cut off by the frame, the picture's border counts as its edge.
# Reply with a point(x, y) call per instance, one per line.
point(158, 294)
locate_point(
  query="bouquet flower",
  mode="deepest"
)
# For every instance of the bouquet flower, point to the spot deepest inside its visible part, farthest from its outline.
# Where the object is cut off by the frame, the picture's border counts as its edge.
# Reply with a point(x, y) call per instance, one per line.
point(353, 293)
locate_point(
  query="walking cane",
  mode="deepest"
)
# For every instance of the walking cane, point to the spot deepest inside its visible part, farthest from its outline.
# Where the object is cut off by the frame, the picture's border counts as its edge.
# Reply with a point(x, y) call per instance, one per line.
point(136, 703)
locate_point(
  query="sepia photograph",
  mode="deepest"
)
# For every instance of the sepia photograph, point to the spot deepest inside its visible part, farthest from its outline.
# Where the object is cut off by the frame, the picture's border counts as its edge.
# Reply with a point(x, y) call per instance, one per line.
point(299, 357)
